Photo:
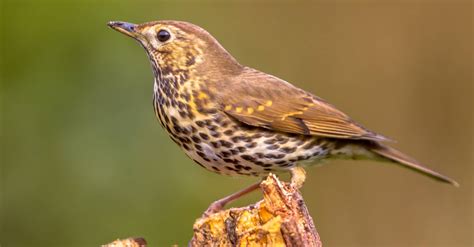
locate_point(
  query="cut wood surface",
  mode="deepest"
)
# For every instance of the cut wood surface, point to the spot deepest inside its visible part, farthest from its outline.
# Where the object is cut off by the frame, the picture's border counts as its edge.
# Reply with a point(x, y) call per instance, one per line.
point(280, 219)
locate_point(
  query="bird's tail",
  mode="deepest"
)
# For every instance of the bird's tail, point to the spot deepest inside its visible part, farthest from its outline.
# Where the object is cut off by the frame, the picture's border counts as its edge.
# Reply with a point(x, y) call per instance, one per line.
point(398, 157)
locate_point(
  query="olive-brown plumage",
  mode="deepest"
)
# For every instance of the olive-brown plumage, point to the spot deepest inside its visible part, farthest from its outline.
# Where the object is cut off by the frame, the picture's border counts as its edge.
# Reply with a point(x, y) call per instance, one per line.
point(232, 119)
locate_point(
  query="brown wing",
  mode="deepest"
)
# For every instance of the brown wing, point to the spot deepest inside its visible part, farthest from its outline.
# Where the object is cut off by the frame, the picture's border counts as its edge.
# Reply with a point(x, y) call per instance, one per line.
point(262, 100)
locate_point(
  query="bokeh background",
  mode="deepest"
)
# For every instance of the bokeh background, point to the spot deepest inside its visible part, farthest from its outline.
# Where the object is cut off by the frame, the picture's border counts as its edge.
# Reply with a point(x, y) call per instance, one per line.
point(84, 162)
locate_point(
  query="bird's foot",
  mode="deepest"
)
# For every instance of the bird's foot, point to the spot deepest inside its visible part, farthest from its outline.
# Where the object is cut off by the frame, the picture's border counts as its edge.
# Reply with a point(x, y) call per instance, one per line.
point(215, 207)
point(220, 204)
point(298, 176)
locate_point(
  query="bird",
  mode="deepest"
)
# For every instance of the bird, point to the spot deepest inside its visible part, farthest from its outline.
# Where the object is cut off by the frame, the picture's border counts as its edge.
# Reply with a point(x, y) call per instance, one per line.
point(235, 120)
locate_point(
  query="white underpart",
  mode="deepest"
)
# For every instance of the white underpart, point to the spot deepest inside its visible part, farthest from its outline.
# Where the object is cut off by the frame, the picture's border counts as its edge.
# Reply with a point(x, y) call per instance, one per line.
point(209, 151)
point(155, 86)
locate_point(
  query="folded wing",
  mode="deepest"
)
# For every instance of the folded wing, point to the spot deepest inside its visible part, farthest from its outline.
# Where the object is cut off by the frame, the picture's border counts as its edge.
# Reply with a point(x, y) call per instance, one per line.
point(261, 100)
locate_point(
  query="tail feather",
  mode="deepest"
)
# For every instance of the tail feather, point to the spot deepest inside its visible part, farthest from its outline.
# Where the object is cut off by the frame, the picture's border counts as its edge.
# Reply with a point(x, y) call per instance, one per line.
point(408, 162)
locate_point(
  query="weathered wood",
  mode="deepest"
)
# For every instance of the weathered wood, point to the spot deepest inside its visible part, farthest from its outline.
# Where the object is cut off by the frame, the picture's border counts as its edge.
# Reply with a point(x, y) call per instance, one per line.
point(280, 219)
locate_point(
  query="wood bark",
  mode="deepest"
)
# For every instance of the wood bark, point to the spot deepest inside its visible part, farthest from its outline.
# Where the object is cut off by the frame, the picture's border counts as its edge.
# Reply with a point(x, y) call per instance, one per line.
point(280, 219)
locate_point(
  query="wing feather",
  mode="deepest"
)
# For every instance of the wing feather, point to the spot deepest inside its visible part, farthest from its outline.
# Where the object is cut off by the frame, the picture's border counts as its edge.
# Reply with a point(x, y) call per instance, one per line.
point(262, 100)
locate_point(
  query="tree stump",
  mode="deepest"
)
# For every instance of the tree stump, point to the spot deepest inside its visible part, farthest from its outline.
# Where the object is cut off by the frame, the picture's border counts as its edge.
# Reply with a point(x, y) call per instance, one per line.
point(280, 219)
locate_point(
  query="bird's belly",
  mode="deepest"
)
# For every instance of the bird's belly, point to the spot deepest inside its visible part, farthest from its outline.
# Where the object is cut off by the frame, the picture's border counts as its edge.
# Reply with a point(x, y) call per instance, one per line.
point(234, 149)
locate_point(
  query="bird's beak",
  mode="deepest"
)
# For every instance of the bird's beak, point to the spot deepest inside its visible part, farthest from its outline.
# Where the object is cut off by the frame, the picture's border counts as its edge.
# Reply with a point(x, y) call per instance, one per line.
point(124, 27)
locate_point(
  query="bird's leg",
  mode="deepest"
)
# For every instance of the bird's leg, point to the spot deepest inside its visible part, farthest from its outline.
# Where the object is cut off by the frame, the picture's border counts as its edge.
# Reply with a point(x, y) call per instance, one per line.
point(220, 204)
point(298, 176)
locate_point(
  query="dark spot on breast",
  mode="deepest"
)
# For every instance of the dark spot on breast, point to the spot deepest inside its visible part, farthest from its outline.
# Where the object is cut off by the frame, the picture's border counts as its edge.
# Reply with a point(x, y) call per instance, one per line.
point(230, 168)
point(273, 147)
point(236, 139)
point(228, 132)
point(215, 134)
point(280, 162)
point(195, 139)
point(186, 97)
point(301, 157)
point(283, 141)
point(173, 103)
point(251, 145)
point(238, 167)
point(190, 115)
point(167, 126)
point(226, 143)
point(186, 147)
point(215, 144)
point(224, 124)
point(198, 147)
point(258, 162)
point(177, 129)
point(182, 114)
point(184, 139)
point(247, 157)
point(200, 123)
point(174, 120)
point(217, 119)
point(225, 154)
point(270, 141)
point(190, 61)
point(212, 127)
point(203, 156)
point(288, 149)
point(310, 144)
point(233, 161)
point(165, 117)
point(204, 136)
point(274, 156)
point(181, 105)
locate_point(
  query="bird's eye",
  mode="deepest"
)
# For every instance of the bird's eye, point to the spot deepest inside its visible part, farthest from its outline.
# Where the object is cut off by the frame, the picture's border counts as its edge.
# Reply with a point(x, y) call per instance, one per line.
point(163, 35)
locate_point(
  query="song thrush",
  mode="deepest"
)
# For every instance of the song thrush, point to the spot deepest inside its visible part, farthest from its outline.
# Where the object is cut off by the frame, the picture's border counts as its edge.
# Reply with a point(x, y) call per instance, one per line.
point(235, 120)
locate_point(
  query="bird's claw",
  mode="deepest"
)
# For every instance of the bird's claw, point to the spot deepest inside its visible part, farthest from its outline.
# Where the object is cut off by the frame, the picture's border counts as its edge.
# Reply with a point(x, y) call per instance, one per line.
point(213, 208)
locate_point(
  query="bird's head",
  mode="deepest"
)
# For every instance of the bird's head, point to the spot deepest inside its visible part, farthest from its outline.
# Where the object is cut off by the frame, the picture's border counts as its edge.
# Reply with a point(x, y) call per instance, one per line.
point(174, 46)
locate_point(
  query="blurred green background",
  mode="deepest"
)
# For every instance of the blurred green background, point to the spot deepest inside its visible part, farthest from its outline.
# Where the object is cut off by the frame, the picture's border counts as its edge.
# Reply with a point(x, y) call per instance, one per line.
point(83, 160)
